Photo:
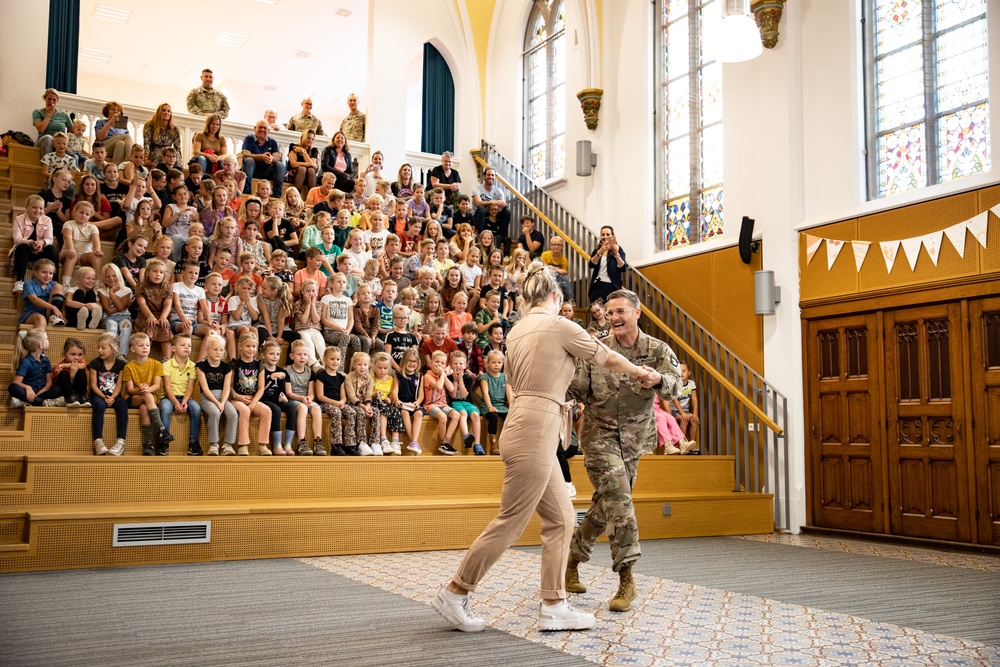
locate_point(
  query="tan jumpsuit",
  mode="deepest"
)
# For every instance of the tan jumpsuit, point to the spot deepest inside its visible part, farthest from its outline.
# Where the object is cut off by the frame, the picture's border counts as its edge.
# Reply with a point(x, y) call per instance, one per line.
point(539, 367)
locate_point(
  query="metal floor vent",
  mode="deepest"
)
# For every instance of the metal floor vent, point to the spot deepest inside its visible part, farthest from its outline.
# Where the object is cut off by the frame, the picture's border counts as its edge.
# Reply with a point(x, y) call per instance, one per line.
point(151, 534)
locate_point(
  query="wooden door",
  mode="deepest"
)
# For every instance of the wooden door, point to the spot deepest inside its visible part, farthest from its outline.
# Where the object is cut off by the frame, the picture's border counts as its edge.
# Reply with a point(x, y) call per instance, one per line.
point(845, 447)
point(984, 328)
point(926, 453)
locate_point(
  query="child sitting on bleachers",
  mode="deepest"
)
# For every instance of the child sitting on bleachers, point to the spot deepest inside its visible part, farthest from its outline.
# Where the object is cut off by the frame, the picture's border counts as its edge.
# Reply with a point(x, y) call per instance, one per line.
point(252, 244)
point(328, 385)
point(242, 311)
point(70, 374)
point(33, 383)
point(179, 378)
point(406, 391)
point(247, 392)
point(669, 436)
point(155, 302)
point(59, 158)
point(82, 308)
point(116, 302)
point(106, 392)
point(390, 422)
point(142, 378)
point(215, 379)
point(32, 239)
point(131, 261)
point(81, 242)
point(460, 395)
point(275, 300)
point(496, 396)
point(272, 378)
point(225, 237)
point(43, 297)
point(301, 404)
point(358, 389)
point(164, 251)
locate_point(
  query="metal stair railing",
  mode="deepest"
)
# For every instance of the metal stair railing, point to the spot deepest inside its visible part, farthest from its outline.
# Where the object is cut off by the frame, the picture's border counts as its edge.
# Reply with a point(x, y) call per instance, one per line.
point(742, 415)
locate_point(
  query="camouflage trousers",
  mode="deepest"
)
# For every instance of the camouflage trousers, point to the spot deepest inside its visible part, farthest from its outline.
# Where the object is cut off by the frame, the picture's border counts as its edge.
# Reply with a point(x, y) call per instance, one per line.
point(611, 509)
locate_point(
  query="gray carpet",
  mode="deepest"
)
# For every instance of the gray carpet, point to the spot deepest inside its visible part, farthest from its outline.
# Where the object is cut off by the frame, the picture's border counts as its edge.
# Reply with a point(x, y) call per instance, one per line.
point(945, 600)
point(279, 612)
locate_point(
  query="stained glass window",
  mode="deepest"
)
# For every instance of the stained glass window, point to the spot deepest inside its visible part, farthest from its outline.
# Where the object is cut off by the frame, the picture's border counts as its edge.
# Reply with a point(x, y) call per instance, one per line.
point(928, 92)
point(690, 125)
point(545, 90)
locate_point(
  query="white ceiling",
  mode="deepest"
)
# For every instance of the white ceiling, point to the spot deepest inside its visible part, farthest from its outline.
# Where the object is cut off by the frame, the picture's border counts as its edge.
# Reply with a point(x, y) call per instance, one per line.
point(167, 44)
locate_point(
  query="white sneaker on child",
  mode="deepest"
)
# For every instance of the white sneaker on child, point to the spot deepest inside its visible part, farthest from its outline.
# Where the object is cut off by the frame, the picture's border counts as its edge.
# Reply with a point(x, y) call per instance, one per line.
point(396, 449)
point(386, 447)
point(364, 449)
point(16, 402)
point(376, 449)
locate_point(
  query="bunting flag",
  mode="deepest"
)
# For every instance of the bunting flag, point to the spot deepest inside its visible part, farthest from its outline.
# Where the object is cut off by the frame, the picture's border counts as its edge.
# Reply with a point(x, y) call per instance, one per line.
point(996, 210)
point(956, 234)
point(860, 252)
point(889, 250)
point(932, 242)
point(911, 248)
point(812, 245)
point(977, 226)
point(833, 248)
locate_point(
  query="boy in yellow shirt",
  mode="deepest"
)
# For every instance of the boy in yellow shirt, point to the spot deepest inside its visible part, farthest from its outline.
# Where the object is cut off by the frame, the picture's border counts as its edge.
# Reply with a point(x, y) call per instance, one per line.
point(141, 379)
point(180, 377)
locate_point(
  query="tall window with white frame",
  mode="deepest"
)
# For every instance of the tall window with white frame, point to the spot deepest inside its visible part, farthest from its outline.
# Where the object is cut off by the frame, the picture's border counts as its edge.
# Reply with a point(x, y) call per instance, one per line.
point(927, 90)
point(545, 91)
point(689, 128)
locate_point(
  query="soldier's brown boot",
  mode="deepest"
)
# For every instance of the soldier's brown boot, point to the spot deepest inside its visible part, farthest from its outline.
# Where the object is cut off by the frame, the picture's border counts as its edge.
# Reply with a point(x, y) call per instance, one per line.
point(494, 445)
point(622, 601)
point(573, 583)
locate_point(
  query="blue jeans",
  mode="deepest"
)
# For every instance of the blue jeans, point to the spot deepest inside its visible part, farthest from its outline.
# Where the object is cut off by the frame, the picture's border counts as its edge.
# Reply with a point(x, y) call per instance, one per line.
point(274, 172)
point(121, 324)
point(203, 161)
point(99, 407)
point(193, 411)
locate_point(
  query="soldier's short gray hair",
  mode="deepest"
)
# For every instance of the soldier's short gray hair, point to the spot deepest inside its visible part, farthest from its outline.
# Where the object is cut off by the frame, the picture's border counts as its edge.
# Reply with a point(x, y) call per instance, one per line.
point(628, 295)
point(539, 284)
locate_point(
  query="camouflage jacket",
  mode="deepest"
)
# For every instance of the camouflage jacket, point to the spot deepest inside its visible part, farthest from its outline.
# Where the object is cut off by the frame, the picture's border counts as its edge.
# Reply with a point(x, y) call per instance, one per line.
point(353, 127)
point(618, 408)
point(201, 102)
point(301, 122)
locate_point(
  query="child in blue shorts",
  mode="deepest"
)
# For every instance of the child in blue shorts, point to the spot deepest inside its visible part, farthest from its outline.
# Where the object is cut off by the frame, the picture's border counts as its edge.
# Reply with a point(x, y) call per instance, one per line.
point(463, 382)
point(43, 297)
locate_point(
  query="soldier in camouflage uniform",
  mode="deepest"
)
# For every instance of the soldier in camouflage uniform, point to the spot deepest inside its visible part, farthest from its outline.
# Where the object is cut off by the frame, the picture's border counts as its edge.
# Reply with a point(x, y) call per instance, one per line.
point(301, 122)
point(205, 100)
point(618, 428)
point(353, 126)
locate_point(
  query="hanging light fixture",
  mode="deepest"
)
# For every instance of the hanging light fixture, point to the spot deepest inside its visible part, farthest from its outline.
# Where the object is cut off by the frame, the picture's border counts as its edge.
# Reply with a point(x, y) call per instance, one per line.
point(738, 33)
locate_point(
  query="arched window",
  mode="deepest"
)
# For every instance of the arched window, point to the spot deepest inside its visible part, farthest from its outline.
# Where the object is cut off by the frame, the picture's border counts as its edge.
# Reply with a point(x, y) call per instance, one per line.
point(689, 129)
point(545, 91)
point(927, 89)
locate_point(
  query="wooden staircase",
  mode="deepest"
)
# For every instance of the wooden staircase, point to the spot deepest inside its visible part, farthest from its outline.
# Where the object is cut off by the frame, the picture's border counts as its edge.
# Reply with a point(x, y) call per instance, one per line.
point(59, 505)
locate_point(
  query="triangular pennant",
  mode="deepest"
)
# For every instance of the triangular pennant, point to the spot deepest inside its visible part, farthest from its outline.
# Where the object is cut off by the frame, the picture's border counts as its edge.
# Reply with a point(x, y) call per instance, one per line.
point(977, 226)
point(911, 248)
point(812, 245)
point(932, 242)
point(860, 252)
point(889, 250)
point(996, 210)
point(833, 248)
point(956, 234)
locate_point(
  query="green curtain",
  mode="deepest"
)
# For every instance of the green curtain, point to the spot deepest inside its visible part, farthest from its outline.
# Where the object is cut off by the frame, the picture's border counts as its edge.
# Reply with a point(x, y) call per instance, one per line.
point(438, 124)
point(64, 45)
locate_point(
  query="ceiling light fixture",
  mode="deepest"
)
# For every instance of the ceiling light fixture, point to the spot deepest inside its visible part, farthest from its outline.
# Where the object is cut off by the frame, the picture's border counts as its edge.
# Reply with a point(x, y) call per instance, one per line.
point(303, 54)
point(233, 39)
point(270, 88)
point(112, 14)
point(343, 12)
point(268, 2)
point(739, 37)
point(95, 55)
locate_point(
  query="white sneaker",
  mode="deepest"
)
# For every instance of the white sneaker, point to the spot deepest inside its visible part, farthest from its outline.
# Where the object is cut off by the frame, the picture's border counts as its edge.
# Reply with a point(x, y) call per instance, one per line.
point(396, 449)
point(564, 616)
point(415, 448)
point(376, 449)
point(118, 448)
point(95, 317)
point(572, 489)
point(16, 402)
point(386, 447)
point(687, 446)
point(670, 449)
point(455, 609)
point(365, 449)
point(19, 286)
point(59, 402)
point(100, 449)
point(56, 321)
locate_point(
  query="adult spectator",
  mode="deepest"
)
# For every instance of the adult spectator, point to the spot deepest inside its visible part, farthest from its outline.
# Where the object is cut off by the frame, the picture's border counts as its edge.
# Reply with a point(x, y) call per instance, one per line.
point(271, 118)
point(228, 170)
point(303, 159)
point(542, 351)
point(606, 266)
point(158, 133)
point(209, 146)
point(205, 100)
point(305, 120)
point(491, 191)
point(402, 187)
point(337, 161)
point(117, 140)
point(446, 178)
point(373, 173)
point(618, 428)
point(353, 126)
point(48, 120)
point(262, 158)
point(530, 239)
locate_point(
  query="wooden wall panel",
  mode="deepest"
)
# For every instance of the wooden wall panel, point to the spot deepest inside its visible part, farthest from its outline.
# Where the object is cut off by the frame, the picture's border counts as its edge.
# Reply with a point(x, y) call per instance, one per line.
point(716, 289)
point(815, 281)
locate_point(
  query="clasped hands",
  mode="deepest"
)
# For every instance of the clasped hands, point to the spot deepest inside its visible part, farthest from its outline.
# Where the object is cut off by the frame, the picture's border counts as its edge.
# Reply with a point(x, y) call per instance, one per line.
point(649, 377)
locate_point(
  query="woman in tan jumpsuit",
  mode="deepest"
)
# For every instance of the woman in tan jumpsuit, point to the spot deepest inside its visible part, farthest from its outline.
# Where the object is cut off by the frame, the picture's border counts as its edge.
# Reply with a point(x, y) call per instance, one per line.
point(539, 367)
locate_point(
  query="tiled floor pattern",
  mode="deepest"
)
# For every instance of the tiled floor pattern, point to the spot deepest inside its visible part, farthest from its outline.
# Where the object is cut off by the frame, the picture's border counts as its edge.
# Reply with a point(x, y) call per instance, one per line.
point(671, 623)
point(967, 560)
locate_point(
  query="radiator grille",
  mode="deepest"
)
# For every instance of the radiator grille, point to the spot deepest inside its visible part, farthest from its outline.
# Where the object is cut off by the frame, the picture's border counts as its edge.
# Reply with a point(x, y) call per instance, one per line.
point(150, 534)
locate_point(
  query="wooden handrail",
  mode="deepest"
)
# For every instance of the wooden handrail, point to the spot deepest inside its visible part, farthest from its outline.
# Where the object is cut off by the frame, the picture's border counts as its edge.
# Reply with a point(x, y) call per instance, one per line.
point(687, 349)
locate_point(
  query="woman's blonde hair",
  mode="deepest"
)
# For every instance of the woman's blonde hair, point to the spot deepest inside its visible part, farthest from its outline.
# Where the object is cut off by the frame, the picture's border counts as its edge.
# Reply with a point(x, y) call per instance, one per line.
point(157, 119)
point(539, 285)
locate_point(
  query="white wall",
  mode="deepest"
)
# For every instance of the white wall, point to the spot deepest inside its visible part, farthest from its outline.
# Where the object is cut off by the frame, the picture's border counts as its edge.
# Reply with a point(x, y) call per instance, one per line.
point(23, 51)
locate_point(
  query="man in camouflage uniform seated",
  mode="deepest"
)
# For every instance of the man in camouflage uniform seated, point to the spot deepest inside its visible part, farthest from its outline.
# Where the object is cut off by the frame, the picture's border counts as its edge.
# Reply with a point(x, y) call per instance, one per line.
point(206, 100)
point(618, 428)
